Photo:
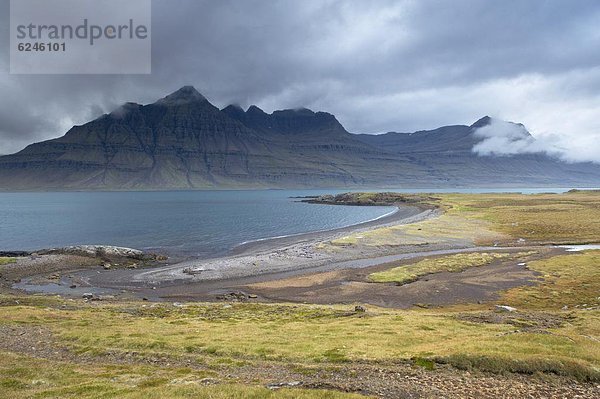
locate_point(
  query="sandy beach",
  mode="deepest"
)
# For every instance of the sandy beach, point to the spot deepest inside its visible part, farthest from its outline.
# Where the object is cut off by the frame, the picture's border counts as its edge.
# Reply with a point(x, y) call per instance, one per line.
point(285, 254)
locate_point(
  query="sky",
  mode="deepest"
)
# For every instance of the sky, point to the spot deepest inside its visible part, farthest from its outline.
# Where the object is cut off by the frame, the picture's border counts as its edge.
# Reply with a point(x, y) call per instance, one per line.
point(378, 66)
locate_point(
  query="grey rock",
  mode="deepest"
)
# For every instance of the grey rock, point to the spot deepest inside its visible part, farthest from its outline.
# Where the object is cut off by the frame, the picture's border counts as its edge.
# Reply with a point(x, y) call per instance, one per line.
point(505, 308)
point(279, 385)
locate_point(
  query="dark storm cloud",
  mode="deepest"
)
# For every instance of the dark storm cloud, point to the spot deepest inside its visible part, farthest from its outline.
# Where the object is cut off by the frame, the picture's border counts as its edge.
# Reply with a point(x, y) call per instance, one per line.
point(378, 66)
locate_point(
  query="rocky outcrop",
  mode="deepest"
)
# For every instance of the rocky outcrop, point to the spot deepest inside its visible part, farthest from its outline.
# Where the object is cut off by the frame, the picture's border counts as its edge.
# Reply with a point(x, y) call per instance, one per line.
point(97, 251)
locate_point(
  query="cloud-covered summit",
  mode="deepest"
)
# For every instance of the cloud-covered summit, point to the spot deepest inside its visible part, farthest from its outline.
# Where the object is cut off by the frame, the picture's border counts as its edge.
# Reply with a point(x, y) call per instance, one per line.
point(501, 138)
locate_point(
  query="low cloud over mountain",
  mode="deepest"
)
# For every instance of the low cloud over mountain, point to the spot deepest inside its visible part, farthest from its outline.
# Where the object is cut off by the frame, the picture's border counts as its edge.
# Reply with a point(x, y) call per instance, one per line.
point(501, 138)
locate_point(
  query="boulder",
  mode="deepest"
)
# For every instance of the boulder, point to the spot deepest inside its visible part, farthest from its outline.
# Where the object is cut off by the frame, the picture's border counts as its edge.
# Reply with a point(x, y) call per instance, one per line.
point(505, 308)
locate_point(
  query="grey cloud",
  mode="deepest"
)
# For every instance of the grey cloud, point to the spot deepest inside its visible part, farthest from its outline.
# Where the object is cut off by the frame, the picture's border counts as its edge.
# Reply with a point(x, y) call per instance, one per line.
point(378, 66)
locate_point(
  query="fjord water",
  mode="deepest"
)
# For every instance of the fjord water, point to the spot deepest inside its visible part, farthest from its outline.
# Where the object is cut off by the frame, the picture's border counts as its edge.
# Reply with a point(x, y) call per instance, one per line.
point(188, 223)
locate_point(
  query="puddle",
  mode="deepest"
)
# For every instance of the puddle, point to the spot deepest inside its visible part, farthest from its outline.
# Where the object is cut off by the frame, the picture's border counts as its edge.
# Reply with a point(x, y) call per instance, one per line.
point(60, 289)
point(577, 248)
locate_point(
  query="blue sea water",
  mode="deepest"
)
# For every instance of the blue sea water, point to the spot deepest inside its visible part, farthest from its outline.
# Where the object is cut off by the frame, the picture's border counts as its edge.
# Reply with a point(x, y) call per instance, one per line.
point(192, 223)
point(189, 223)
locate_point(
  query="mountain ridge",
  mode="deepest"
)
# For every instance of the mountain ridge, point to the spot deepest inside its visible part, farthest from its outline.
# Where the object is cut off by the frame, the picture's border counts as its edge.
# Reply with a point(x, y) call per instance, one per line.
point(182, 141)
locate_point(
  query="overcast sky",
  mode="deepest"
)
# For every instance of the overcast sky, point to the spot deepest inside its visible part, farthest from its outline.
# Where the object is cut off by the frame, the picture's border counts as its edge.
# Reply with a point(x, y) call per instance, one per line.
point(377, 65)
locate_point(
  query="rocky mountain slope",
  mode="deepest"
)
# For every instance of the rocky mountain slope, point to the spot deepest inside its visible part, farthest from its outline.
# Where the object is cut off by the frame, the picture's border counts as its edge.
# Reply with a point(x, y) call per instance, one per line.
point(182, 141)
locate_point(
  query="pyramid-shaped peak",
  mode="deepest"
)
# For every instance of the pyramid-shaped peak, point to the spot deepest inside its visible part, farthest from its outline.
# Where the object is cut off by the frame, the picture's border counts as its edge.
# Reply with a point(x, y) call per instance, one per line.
point(186, 94)
point(234, 111)
point(486, 120)
point(253, 109)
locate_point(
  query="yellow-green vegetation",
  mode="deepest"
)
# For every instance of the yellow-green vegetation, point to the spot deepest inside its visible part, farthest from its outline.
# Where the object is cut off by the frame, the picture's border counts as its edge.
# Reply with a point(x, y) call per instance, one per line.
point(572, 217)
point(5, 260)
point(452, 263)
point(568, 280)
point(447, 228)
point(217, 335)
point(483, 219)
point(26, 377)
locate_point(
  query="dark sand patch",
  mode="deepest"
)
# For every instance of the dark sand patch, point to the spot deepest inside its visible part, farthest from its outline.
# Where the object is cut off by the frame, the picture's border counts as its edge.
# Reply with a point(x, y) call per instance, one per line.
point(475, 284)
point(350, 286)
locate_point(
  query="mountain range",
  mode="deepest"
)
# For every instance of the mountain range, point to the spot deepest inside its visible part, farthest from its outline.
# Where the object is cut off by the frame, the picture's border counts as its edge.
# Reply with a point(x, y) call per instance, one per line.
point(182, 141)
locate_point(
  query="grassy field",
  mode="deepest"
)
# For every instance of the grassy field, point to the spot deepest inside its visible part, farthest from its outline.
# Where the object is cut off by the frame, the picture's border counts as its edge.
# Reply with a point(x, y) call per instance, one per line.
point(452, 263)
point(570, 282)
point(572, 217)
point(449, 228)
point(507, 219)
point(26, 377)
point(549, 339)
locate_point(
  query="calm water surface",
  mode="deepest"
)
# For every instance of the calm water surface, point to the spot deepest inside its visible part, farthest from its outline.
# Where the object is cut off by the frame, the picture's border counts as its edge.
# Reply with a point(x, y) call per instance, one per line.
point(191, 223)
point(194, 223)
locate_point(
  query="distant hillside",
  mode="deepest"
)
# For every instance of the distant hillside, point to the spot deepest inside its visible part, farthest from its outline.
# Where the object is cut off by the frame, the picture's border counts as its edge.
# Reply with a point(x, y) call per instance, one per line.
point(182, 141)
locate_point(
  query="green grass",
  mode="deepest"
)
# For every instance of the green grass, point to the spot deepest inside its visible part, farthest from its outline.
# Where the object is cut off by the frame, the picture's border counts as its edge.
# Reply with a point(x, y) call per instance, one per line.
point(244, 333)
point(568, 280)
point(572, 217)
point(452, 263)
point(5, 260)
point(505, 365)
point(26, 377)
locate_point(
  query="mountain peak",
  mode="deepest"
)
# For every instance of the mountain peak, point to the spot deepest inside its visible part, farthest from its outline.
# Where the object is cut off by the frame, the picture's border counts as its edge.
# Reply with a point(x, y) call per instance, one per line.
point(186, 94)
point(253, 109)
point(486, 120)
point(236, 107)
point(234, 111)
point(295, 112)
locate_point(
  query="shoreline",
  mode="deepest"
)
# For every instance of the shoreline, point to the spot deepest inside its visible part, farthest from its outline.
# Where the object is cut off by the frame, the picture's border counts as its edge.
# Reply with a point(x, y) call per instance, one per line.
point(275, 259)
point(401, 213)
point(257, 261)
point(316, 231)
point(269, 257)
